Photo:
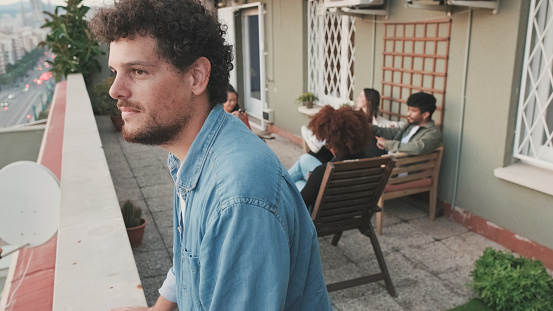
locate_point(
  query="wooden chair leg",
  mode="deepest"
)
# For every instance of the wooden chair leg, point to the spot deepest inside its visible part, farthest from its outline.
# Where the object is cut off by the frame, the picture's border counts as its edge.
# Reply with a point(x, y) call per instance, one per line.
point(336, 238)
point(380, 258)
point(433, 198)
point(379, 216)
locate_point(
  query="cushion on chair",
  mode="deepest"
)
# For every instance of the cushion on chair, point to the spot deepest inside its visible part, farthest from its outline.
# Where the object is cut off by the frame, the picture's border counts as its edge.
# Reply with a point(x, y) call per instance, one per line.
point(409, 185)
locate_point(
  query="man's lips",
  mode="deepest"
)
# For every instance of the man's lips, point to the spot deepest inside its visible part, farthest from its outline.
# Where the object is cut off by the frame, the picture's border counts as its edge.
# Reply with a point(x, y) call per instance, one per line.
point(128, 111)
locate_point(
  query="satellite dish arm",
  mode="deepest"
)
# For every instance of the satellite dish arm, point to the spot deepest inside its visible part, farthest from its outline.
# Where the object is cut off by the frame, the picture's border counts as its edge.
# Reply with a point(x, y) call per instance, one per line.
point(12, 251)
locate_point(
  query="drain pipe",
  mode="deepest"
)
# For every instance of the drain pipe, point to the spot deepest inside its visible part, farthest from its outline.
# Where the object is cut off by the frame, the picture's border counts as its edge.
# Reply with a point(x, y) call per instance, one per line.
point(374, 51)
point(462, 118)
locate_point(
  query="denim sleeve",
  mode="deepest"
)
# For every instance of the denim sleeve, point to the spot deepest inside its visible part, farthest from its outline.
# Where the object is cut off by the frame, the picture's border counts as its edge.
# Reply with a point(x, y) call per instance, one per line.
point(169, 288)
point(245, 259)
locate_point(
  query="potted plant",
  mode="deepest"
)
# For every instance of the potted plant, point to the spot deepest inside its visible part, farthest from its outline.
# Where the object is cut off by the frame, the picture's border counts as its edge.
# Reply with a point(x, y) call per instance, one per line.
point(104, 104)
point(135, 224)
point(71, 41)
point(307, 99)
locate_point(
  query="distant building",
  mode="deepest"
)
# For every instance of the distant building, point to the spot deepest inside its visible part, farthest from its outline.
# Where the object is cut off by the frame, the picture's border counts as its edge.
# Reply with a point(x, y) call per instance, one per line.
point(2, 60)
point(30, 38)
point(37, 17)
point(8, 46)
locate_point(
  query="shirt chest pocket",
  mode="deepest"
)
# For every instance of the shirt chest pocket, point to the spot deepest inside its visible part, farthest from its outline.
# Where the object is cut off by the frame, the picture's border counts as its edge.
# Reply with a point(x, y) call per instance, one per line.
point(190, 276)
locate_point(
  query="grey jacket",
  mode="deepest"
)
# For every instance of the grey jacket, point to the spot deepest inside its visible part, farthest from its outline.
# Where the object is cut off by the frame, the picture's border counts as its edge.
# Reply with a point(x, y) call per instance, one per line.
point(427, 138)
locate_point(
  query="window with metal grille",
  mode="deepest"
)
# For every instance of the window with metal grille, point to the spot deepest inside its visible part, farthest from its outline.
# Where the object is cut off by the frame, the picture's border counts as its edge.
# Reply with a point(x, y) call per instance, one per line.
point(331, 49)
point(534, 130)
point(415, 60)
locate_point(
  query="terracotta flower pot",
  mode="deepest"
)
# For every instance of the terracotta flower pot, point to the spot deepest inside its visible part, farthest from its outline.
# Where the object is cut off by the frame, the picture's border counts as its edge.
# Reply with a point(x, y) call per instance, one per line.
point(137, 233)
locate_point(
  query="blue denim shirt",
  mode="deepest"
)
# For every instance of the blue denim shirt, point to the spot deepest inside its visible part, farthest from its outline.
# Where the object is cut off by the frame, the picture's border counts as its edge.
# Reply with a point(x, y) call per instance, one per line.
point(246, 241)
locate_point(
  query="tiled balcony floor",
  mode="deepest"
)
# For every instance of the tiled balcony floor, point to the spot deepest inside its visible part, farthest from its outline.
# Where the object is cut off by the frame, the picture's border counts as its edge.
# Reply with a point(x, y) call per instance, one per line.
point(429, 262)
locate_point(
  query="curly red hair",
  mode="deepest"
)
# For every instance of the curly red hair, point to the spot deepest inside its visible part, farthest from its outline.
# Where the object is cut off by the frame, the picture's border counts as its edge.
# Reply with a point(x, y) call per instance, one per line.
point(346, 131)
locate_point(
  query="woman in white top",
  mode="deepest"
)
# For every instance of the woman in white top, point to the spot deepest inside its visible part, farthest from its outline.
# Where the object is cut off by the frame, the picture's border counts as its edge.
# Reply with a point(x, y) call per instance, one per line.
point(369, 101)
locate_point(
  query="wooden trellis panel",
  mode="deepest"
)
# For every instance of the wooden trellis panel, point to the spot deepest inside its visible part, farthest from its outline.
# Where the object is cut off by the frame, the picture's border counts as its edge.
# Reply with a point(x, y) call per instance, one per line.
point(415, 60)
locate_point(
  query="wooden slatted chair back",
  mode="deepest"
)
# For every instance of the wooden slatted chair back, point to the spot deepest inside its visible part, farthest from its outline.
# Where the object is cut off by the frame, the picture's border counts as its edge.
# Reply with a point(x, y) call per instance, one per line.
point(349, 194)
point(347, 200)
point(411, 175)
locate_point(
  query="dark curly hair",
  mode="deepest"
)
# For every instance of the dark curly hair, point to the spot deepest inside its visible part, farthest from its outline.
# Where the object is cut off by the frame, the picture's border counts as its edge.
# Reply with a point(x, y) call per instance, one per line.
point(345, 130)
point(424, 101)
point(184, 31)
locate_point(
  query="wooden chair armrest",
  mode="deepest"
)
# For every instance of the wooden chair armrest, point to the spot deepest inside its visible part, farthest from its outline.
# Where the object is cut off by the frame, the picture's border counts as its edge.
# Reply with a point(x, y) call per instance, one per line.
point(396, 155)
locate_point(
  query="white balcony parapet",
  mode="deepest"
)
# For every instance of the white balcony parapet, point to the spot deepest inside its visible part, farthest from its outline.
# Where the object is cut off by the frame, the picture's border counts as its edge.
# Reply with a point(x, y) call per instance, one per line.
point(95, 267)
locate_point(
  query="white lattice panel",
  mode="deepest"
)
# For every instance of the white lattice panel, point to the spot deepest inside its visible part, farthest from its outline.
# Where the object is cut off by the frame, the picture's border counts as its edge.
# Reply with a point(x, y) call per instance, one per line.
point(331, 55)
point(534, 139)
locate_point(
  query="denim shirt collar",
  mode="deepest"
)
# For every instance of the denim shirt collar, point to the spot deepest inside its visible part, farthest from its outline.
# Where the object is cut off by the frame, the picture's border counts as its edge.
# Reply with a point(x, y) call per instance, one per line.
point(199, 150)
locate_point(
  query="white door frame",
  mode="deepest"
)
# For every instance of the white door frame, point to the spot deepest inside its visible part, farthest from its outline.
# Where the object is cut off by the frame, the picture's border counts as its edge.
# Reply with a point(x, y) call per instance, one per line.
point(258, 104)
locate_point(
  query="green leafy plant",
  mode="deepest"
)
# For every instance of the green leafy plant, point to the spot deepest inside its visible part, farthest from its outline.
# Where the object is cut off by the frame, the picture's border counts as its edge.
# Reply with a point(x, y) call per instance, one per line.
point(132, 214)
point(102, 103)
point(506, 282)
point(307, 97)
point(71, 41)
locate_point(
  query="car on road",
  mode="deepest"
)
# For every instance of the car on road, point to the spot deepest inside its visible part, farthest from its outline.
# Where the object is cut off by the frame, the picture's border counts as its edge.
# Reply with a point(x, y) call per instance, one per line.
point(11, 96)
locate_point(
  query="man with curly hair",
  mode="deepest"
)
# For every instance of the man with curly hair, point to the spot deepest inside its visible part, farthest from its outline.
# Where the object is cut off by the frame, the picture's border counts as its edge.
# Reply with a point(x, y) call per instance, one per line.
point(419, 136)
point(242, 237)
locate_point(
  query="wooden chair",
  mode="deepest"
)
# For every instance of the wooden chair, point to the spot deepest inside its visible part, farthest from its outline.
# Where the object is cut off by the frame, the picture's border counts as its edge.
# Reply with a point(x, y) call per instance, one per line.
point(347, 200)
point(411, 175)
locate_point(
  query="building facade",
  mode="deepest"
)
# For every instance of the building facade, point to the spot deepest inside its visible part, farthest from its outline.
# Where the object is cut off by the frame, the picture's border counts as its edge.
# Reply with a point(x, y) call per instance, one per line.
point(488, 63)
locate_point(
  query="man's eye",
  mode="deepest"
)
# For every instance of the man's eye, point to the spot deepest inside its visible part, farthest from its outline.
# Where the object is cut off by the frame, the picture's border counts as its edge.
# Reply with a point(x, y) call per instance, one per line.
point(138, 72)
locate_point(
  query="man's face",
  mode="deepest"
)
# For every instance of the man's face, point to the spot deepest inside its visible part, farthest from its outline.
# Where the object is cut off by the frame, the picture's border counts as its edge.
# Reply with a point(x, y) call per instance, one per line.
point(414, 116)
point(154, 98)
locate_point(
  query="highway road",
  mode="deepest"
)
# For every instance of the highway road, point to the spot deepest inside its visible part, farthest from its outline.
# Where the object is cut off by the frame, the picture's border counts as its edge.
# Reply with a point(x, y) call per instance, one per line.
point(16, 101)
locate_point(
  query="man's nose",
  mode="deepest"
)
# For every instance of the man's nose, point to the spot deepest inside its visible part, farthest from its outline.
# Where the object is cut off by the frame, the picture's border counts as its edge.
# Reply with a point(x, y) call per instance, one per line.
point(118, 89)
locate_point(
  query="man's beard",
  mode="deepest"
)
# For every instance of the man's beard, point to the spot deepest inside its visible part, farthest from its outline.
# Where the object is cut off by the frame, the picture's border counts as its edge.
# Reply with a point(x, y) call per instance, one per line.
point(156, 134)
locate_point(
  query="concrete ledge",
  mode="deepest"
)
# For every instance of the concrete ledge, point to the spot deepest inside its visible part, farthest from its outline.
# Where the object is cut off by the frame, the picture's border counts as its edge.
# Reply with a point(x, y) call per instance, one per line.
point(95, 267)
point(528, 176)
point(310, 111)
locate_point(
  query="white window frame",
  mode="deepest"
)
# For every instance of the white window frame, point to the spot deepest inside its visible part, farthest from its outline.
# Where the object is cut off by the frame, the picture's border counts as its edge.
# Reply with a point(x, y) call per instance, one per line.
point(334, 92)
point(534, 129)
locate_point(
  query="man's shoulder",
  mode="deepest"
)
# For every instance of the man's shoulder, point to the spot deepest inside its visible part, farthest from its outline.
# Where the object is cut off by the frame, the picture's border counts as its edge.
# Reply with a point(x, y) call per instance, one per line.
point(430, 125)
point(241, 161)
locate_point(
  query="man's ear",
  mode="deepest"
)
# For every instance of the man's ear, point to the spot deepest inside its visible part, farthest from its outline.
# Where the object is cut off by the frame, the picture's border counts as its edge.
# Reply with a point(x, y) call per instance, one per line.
point(200, 70)
point(426, 115)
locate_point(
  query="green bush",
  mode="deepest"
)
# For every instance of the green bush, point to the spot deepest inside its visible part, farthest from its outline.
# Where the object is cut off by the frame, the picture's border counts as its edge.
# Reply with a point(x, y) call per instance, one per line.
point(506, 282)
point(43, 114)
point(102, 103)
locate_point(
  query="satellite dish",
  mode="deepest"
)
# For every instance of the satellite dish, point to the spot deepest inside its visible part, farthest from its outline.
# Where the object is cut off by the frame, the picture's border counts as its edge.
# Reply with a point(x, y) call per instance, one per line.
point(29, 204)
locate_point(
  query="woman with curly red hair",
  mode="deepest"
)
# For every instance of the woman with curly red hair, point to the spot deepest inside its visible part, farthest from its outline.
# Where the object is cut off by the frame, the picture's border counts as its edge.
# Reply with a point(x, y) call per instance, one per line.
point(348, 136)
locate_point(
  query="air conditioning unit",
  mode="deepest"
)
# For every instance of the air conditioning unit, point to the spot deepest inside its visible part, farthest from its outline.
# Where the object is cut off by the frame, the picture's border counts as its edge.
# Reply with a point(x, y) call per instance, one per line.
point(352, 3)
point(425, 2)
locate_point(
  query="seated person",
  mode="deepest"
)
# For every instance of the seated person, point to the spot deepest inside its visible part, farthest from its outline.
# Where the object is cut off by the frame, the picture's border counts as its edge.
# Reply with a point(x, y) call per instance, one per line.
point(308, 162)
point(369, 101)
point(347, 135)
point(316, 147)
point(232, 106)
point(420, 136)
